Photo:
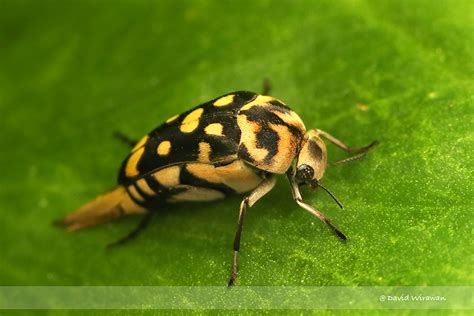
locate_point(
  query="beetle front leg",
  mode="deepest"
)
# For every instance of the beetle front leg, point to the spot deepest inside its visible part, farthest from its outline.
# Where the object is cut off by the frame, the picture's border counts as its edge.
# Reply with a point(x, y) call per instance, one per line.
point(295, 190)
point(263, 188)
point(359, 151)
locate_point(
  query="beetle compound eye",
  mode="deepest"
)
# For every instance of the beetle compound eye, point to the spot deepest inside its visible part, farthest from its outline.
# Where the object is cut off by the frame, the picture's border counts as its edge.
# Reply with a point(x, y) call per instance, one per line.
point(304, 173)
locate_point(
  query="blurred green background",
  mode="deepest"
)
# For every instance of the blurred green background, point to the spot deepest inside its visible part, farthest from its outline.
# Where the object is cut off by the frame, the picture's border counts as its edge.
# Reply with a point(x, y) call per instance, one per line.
point(73, 72)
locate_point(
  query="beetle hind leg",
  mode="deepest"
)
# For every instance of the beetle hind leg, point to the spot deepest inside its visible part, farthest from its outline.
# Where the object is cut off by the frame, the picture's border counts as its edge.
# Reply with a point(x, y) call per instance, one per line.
point(263, 188)
point(142, 225)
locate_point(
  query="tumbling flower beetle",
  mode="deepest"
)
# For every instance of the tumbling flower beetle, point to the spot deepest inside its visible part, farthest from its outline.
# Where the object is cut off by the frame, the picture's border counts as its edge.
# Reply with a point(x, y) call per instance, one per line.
point(235, 143)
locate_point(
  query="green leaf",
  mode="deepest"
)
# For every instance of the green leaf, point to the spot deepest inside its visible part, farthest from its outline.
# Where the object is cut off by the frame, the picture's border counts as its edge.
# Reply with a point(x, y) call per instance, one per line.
point(72, 73)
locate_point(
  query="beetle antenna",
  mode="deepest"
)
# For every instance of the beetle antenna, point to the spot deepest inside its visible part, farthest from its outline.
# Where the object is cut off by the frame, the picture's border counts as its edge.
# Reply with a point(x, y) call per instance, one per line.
point(330, 194)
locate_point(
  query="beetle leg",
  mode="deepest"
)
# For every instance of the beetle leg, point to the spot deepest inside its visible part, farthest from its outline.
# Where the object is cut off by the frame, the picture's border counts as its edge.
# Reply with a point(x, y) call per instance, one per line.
point(125, 139)
point(135, 232)
point(263, 188)
point(349, 159)
point(295, 190)
point(267, 86)
point(359, 151)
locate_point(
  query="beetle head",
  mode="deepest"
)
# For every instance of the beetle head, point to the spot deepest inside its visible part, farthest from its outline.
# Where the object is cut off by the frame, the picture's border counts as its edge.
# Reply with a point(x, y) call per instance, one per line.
point(312, 159)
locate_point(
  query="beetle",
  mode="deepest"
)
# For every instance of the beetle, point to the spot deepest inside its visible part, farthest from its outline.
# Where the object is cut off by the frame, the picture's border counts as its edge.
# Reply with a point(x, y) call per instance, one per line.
point(235, 143)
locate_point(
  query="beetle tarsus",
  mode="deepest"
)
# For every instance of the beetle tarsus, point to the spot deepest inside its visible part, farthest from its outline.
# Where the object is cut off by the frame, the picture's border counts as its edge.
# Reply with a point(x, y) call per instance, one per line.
point(340, 235)
point(336, 231)
point(233, 275)
point(362, 152)
point(363, 149)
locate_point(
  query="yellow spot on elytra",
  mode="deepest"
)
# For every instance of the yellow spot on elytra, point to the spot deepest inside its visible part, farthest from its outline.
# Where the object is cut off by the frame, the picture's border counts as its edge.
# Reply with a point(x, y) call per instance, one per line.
point(134, 193)
point(260, 100)
point(214, 129)
point(204, 152)
point(168, 177)
point(228, 99)
point(140, 143)
point(191, 121)
point(145, 188)
point(164, 148)
point(131, 167)
point(171, 119)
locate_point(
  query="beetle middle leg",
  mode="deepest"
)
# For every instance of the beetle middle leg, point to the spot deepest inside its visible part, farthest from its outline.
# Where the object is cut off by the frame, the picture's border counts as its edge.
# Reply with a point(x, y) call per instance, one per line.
point(295, 190)
point(263, 188)
point(359, 151)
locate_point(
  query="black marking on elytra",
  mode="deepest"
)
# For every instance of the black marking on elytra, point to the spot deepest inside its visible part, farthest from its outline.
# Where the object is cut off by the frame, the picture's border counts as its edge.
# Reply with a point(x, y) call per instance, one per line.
point(210, 111)
point(183, 148)
point(227, 145)
point(268, 139)
point(231, 130)
point(240, 98)
point(186, 178)
point(222, 149)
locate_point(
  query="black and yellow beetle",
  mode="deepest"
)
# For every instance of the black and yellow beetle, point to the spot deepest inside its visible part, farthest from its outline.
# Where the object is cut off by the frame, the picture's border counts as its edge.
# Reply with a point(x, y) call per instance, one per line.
point(235, 143)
